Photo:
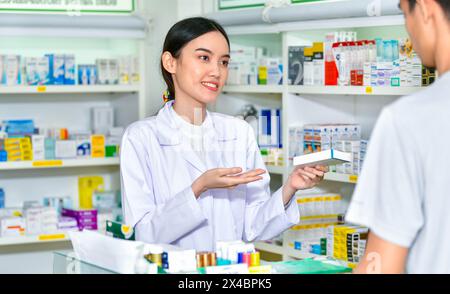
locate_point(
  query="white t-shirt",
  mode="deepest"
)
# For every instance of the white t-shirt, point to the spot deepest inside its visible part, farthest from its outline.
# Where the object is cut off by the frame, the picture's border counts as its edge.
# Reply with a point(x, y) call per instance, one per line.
point(403, 194)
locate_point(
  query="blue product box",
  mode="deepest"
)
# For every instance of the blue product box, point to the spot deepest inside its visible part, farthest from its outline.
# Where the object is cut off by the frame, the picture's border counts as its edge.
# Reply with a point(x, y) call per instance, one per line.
point(17, 127)
point(2, 198)
point(3, 156)
point(50, 148)
point(92, 75)
point(297, 245)
point(57, 68)
point(83, 75)
point(69, 67)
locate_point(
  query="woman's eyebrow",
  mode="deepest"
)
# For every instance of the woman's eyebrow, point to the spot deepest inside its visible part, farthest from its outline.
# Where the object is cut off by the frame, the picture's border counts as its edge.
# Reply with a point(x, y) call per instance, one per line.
point(210, 52)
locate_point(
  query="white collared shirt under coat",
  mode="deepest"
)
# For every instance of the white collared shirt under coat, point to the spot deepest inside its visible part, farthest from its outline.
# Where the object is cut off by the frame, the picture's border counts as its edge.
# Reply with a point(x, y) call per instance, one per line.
point(158, 168)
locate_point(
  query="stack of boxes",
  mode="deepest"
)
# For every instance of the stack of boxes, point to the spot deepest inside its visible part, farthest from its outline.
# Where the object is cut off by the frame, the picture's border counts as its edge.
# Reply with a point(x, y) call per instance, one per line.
point(60, 69)
point(321, 137)
point(11, 226)
point(318, 212)
point(345, 61)
point(347, 243)
point(21, 141)
point(86, 218)
point(18, 149)
point(249, 66)
point(40, 220)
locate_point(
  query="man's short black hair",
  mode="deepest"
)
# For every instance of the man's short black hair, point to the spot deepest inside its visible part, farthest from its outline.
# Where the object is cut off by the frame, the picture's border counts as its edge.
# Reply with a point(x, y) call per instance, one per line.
point(445, 4)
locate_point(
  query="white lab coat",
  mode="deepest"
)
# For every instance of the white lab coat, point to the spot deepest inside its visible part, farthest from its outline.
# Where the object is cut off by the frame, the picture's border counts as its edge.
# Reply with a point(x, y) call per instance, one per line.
point(158, 168)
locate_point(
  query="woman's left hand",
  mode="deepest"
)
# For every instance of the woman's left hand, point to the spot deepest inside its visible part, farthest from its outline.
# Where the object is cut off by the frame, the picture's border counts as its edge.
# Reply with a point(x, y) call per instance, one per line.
point(303, 178)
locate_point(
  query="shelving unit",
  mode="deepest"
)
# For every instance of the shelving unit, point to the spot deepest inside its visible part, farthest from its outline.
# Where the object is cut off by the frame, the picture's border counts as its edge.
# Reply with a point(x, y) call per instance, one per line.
point(44, 90)
point(58, 164)
point(66, 106)
point(314, 104)
point(359, 91)
point(254, 89)
point(40, 239)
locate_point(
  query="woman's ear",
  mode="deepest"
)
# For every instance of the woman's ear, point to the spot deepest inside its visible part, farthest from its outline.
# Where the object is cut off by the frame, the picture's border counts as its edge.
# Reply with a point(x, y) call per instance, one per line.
point(169, 62)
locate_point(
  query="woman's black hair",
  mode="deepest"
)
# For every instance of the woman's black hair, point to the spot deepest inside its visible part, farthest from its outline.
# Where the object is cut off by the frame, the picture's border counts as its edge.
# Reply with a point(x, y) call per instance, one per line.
point(179, 36)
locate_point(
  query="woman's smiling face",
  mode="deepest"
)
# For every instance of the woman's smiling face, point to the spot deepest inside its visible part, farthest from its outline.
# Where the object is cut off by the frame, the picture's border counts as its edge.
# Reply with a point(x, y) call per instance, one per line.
point(201, 70)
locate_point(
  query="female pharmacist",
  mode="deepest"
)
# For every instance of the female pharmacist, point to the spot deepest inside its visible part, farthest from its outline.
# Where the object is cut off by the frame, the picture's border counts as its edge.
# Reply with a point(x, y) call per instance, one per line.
point(191, 177)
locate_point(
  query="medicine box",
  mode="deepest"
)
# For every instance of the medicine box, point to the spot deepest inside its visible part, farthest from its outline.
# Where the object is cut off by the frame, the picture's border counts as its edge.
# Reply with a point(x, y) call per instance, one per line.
point(296, 60)
point(57, 68)
point(69, 69)
point(66, 149)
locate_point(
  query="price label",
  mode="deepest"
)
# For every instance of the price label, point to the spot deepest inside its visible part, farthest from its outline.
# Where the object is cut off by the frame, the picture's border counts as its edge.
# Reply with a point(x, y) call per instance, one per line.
point(353, 179)
point(42, 89)
point(48, 163)
point(52, 237)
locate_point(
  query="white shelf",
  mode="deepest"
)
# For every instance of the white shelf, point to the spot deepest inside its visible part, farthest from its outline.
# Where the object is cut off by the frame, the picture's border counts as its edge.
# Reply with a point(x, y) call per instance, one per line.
point(343, 178)
point(338, 90)
point(47, 164)
point(275, 170)
point(271, 248)
point(69, 89)
point(254, 89)
point(40, 239)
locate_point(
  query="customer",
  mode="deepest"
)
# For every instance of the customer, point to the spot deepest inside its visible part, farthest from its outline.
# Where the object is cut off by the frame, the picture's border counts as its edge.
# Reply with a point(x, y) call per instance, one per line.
point(403, 192)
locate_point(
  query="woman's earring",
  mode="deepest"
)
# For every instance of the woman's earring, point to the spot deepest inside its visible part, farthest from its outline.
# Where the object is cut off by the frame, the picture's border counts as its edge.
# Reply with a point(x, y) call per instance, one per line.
point(167, 96)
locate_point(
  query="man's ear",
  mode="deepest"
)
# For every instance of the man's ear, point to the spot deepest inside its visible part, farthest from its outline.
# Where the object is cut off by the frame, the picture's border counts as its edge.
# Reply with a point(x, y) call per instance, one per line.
point(424, 9)
point(169, 62)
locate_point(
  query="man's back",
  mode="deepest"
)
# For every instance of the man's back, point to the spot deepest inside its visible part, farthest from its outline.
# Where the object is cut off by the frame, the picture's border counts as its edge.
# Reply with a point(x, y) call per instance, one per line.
point(402, 195)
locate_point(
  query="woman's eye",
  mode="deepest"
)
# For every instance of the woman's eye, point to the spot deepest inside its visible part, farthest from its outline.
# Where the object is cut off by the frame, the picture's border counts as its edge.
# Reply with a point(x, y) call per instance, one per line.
point(204, 58)
point(225, 63)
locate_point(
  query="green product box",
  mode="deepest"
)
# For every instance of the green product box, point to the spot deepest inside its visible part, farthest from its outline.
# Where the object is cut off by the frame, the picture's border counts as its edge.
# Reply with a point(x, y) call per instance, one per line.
point(111, 151)
point(120, 231)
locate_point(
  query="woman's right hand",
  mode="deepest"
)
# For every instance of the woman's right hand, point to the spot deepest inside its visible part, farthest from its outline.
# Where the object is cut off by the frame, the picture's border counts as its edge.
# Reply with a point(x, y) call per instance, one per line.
point(225, 178)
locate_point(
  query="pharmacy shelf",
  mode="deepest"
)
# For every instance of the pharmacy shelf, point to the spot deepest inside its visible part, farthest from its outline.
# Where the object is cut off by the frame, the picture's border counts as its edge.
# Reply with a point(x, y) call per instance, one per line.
point(338, 90)
point(254, 89)
point(70, 163)
point(343, 178)
point(271, 248)
point(275, 170)
point(40, 239)
point(70, 89)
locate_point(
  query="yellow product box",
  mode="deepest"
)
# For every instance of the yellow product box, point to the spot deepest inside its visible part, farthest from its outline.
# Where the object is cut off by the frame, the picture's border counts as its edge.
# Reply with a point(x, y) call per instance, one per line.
point(98, 146)
point(26, 140)
point(98, 152)
point(14, 158)
point(86, 188)
point(27, 158)
point(10, 148)
point(98, 140)
point(15, 153)
point(12, 141)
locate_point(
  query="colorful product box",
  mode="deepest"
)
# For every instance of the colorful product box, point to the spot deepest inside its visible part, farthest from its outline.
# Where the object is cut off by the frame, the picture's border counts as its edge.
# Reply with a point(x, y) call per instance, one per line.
point(69, 69)
point(57, 68)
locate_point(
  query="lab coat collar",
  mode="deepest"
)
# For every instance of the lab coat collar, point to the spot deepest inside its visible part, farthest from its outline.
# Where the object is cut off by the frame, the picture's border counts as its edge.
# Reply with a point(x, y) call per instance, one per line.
point(169, 134)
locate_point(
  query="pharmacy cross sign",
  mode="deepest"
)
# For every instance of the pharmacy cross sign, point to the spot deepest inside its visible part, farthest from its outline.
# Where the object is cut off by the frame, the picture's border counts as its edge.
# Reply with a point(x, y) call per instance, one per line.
point(68, 6)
